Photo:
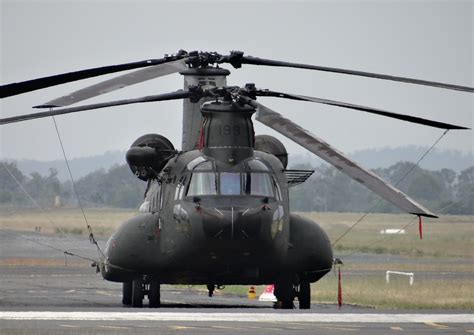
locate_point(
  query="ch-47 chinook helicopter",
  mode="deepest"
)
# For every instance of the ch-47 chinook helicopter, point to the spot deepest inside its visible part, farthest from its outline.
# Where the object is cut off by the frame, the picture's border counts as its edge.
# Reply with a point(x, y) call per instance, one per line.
point(217, 212)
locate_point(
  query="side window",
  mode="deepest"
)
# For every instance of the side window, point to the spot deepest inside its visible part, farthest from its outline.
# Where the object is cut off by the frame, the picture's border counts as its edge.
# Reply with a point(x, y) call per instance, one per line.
point(202, 183)
point(278, 190)
point(144, 207)
point(179, 191)
point(156, 198)
point(176, 191)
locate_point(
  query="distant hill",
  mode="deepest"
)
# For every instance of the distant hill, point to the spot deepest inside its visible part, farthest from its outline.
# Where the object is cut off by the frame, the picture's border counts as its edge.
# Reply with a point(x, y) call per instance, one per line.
point(79, 166)
point(370, 158)
point(385, 157)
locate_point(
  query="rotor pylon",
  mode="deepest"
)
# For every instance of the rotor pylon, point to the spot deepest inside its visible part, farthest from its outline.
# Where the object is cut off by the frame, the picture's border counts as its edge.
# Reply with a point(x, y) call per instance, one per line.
point(206, 78)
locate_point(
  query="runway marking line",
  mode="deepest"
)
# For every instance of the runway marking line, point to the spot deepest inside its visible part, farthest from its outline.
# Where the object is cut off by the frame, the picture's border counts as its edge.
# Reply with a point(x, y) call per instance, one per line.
point(437, 325)
point(181, 327)
point(104, 293)
point(396, 328)
point(113, 327)
point(326, 318)
point(229, 328)
point(268, 328)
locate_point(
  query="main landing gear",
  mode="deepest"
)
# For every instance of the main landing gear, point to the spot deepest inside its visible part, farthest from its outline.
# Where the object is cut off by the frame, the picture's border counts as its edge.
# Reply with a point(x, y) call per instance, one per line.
point(134, 292)
point(286, 292)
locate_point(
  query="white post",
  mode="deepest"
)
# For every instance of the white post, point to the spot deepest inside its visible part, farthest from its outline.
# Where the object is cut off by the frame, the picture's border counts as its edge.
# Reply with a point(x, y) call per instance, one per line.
point(408, 274)
point(57, 201)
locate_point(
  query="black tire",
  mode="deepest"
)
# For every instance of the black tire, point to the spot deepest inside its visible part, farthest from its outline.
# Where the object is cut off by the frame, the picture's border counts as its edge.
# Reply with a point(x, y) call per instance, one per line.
point(127, 293)
point(137, 293)
point(304, 295)
point(154, 294)
point(285, 294)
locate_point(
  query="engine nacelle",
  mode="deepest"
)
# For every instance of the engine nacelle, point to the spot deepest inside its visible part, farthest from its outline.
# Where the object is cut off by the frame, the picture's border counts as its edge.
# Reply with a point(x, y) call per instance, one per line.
point(148, 155)
point(272, 145)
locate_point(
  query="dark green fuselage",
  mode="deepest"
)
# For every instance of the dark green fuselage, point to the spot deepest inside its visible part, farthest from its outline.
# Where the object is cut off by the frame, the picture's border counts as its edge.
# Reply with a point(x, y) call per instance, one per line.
point(217, 238)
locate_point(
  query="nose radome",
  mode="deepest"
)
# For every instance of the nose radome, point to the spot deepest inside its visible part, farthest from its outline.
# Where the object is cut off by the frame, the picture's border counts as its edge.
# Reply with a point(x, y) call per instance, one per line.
point(232, 223)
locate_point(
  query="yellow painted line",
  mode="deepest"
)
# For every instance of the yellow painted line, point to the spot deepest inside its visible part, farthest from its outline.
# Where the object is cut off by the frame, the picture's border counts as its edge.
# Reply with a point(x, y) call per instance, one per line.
point(69, 326)
point(231, 328)
point(469, 330)
point(269, 328)
point(339, 328)
point(396, 328)
point(181, 327)
point(437, 325)
point(113, 327)
point(105, 293)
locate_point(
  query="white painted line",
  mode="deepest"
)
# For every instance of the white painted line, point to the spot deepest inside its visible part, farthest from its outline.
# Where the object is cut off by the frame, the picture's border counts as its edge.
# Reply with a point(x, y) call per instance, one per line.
point(238, 317)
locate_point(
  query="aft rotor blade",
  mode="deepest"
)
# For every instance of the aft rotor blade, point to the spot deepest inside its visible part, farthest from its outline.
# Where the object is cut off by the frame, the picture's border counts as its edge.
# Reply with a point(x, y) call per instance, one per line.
point(39, 83)
point(269, 62)
point(151, 98)
point(371, 110)
point(331, 155)
point(117, 83)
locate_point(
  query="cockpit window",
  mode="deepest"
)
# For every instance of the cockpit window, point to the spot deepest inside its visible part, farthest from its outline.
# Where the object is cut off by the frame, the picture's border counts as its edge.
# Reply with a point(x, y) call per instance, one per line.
point(192, 164)
point(207, 165)
point(230, 183)
point(202, 183)
point(256, 180)
point(259, 184)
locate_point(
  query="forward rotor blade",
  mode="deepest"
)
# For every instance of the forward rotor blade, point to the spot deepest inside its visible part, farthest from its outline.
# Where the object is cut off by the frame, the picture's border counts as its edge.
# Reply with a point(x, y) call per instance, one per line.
point(160, 97)
point(261, 61)
point(36, 84)
point(331, 155)
point(371, 110)
point(117, 83)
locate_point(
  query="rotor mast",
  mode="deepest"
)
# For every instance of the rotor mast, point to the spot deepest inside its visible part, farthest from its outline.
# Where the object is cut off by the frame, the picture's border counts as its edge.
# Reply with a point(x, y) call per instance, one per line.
point(207, 78)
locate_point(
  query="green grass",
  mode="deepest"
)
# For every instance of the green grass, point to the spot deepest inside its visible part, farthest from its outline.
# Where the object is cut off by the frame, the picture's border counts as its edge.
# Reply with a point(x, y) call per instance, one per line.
point(447, 246)
point(68, 221)
point(372, 290)
point(448, 236)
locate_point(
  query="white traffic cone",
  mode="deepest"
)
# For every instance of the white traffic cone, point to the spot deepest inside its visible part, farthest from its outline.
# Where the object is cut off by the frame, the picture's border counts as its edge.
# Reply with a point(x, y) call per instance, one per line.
point(268, 295)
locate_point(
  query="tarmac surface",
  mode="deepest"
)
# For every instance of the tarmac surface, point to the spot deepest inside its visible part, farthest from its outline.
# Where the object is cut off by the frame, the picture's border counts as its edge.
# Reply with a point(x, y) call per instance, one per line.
point(44, 292)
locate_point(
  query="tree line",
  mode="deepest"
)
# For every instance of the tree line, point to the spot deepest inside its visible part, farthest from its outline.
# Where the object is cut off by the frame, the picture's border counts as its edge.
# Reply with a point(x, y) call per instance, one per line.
point(116, 187)
point(443, 191)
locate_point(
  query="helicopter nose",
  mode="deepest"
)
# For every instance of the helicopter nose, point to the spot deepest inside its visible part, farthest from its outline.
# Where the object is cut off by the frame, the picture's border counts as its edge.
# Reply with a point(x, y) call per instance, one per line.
point(233, 223)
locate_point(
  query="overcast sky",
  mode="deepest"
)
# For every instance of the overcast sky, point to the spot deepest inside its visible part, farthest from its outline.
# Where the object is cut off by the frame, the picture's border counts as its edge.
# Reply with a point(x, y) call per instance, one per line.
point(423, 39)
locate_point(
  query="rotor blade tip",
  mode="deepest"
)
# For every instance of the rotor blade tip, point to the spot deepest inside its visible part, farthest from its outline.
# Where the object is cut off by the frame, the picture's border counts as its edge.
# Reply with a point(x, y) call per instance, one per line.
point(45, 106)
point(428, 215)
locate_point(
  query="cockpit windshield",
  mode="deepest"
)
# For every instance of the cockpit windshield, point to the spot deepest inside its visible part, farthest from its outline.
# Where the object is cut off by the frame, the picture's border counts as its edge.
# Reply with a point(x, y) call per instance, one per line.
point(259, 184)
point(255, 180)
point(230, 183)
point(202, 183)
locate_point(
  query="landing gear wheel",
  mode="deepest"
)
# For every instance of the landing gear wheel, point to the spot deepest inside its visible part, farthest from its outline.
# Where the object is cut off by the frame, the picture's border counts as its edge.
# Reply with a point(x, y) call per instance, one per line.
point(137, 293)
point(285, 294)
point(127, 293)
point(304, 295)
point(154, 294)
